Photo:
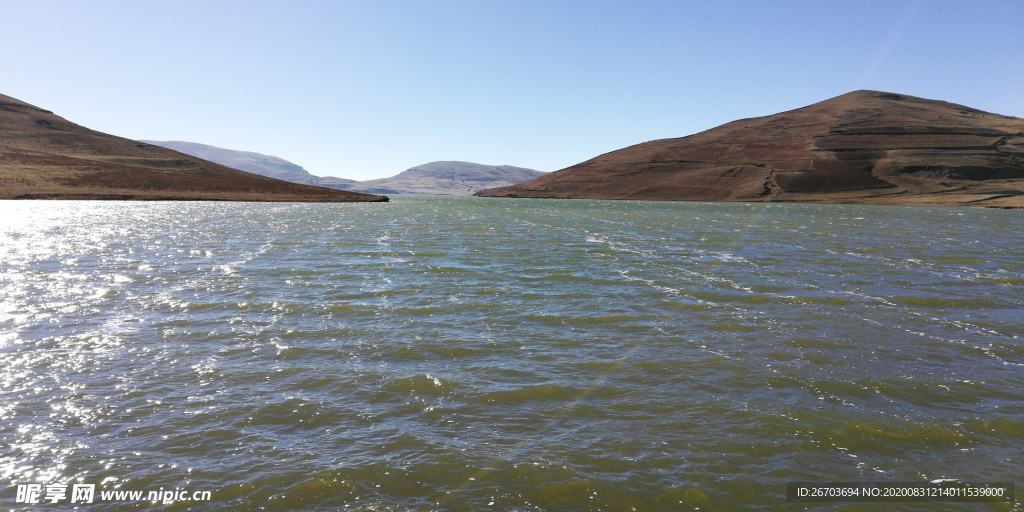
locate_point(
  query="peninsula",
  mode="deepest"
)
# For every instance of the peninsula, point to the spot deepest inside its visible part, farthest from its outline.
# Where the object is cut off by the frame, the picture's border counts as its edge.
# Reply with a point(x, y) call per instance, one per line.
point(44, 156)
point(865, 147)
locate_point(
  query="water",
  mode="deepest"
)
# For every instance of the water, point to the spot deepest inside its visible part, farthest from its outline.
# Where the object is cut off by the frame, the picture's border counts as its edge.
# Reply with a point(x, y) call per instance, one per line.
point(485, 354)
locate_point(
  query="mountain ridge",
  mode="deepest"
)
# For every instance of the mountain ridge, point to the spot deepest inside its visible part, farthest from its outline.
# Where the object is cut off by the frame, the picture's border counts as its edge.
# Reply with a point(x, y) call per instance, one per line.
point(448, 177)
point(252, 162)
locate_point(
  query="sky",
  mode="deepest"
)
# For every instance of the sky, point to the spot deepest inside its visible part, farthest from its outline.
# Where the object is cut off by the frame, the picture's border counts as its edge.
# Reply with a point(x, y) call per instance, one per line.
point(367, 89)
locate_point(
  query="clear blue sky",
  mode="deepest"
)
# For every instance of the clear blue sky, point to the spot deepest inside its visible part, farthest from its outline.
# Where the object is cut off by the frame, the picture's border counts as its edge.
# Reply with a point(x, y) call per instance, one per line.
point(367, 89)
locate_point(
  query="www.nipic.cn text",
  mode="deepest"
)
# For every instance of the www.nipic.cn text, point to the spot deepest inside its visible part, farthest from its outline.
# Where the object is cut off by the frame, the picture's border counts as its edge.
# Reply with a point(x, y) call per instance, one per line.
point(86, 493)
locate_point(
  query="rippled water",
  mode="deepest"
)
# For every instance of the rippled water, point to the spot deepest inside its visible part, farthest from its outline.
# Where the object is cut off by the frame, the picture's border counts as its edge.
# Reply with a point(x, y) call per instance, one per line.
point(488, 354)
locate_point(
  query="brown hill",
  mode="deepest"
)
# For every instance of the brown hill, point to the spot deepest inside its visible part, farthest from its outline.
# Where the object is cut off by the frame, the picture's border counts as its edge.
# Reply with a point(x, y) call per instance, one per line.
point(43, 156)
point(861, 147)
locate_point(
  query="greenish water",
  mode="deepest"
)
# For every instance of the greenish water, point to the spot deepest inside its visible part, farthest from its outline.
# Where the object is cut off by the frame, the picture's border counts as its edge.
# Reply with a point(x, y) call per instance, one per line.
point(458, 354)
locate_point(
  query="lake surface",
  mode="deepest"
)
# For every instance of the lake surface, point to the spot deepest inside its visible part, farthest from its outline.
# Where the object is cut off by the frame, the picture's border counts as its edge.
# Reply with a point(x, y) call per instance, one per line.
point(459, 354)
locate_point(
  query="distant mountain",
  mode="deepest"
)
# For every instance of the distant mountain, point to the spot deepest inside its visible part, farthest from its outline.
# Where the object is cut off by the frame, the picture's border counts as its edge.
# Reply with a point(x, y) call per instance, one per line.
point(248, 161)
point(861, 147)
point(435, 178)
point(45, 156)
point(447, 178)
